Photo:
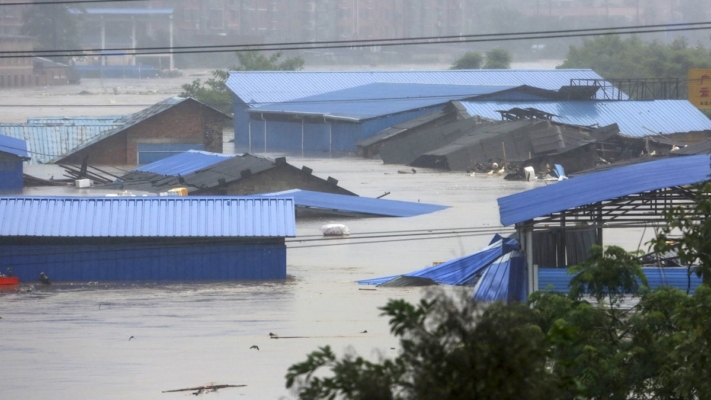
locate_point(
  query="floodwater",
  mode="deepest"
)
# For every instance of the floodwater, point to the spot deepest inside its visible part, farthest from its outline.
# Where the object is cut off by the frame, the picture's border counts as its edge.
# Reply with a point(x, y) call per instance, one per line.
point(72, 341)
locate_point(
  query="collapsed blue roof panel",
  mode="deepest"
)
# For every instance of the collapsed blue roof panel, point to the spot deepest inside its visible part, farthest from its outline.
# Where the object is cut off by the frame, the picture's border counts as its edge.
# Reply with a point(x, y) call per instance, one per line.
point(460, 271)
point(635, 118)
point(604, 185)
point(184, 163)
point(356, 204)
point(377, 99)
point(503, 280)
point(147, 217)
point(261, 87)
point(14, 146)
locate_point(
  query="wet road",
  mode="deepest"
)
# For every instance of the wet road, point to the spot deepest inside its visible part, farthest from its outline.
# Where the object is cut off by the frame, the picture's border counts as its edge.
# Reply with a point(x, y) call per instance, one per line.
point(71, 342)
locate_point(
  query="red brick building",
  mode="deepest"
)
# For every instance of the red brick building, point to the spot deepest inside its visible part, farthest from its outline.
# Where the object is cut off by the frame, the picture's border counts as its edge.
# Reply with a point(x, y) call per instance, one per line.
point(169, 127)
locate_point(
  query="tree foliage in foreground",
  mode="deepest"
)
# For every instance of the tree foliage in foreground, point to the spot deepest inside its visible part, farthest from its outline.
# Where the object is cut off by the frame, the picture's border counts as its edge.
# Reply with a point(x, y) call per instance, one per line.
point(591, 344)
point(214, 91)
point(616, 58)
point(694, 244)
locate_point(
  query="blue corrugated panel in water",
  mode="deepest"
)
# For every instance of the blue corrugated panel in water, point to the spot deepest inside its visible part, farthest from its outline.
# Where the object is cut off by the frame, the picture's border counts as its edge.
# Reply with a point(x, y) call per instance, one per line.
point(504, 280)
point(203, 262)
point(601, 186)
point(558, 279)
point(356, 204)
point(184, 163)
point(147, 217)
point(11, 178)
point(635, 118)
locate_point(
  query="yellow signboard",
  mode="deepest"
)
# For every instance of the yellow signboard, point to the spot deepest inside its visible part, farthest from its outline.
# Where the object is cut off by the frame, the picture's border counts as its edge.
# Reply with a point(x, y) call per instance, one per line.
point(700, 88)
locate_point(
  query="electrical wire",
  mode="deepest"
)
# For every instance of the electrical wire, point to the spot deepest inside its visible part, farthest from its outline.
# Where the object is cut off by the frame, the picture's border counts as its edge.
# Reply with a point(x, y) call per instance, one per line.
point(51, 3)
point(434, 40)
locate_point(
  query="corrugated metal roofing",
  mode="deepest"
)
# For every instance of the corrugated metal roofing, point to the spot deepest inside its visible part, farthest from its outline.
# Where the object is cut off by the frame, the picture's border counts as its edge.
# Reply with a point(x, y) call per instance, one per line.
point(600, 186)
point(184, 163)
point(14, 146)
point(503, 280)
point(47, 142)
point(399, 128)
point(702, 147)
point(635, 118)
point(558, 279)
point(377, 99)
point(147, 217)
point(356, 204)
point(259, 87)
point(460, 271)
point(108, 119)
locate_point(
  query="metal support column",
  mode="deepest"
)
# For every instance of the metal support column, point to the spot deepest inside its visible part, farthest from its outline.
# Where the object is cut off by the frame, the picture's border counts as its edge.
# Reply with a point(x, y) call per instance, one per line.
point(172, 65)
point(561, 243)
point(526, 234)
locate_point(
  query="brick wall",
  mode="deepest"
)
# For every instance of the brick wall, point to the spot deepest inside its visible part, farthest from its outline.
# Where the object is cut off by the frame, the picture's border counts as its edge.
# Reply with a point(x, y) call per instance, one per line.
point(186, 123)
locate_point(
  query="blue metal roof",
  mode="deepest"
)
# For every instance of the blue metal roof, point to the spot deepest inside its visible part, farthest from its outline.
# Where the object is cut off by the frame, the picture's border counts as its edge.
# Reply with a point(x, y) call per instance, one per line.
point(377, 99)
point(46, 142)
point(356, 204)
point(460, 271)
point(184, 163)
point(558, 279)
point(147, 217)
point(635, 118)
point(260, 87)
point(14, 146)
point(601, 186)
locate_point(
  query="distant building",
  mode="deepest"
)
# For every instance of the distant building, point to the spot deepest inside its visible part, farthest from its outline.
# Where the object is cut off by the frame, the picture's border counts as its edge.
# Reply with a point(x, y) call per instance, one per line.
point(16, 72)
point(89, 239)
point(12, 154)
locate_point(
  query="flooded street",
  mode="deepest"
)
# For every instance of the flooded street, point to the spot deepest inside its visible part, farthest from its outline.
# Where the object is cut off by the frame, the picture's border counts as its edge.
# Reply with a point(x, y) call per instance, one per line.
point(70, 342)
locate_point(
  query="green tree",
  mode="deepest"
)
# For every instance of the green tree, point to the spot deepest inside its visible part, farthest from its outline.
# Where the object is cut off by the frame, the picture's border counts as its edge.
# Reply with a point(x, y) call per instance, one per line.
point(693, 245)
point(451, 349)
point(55, 27)
point(470, 60)
point(497, 59)
point(616, 58)
point(214, 91)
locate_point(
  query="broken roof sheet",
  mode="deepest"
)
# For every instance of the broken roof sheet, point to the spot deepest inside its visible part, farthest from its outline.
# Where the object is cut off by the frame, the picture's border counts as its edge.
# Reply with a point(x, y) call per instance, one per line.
point(184, 163)
point(503, 280)
point(399, 128)
point(460, 271)
point(635, 118)
point(147, 217)
point(356, 204)
point(601, 186)
point(263, 87)
point(46, 142)
point(376, 99)
point(14, 146)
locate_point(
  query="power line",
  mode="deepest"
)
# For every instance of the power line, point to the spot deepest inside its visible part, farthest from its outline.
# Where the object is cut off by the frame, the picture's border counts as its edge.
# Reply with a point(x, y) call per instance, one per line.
point(434, 40)
point(374, 42)
point(42, 3)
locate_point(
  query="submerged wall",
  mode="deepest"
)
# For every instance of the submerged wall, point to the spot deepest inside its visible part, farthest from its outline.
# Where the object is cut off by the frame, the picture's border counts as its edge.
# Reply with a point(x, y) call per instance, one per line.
point(152, 262)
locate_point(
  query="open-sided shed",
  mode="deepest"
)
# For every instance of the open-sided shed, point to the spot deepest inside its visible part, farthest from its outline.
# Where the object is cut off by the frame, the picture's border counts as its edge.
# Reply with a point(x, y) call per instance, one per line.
point(634, 195)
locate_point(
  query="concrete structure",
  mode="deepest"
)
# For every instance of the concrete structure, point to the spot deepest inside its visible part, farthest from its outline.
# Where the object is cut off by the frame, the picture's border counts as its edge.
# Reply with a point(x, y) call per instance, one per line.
point(19, 71)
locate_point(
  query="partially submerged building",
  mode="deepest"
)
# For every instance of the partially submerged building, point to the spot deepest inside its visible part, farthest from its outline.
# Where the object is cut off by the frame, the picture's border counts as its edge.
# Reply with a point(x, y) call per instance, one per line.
point(81, 239)
point(260, 88)
point(13, 152)
point(204, 173)
point(169, 127)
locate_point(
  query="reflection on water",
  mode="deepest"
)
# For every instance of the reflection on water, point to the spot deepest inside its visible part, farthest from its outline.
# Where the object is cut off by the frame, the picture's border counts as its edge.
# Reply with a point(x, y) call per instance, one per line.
point(71, 341)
